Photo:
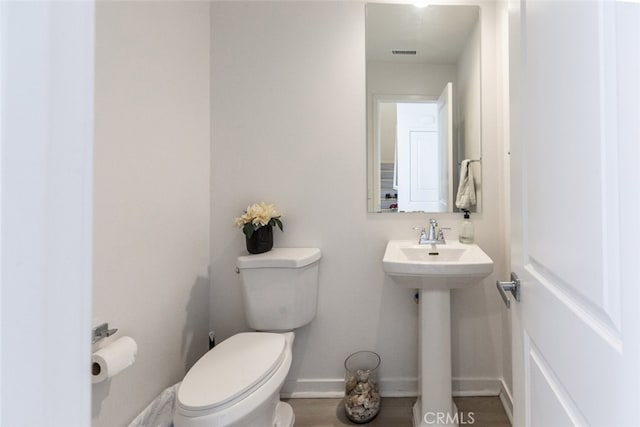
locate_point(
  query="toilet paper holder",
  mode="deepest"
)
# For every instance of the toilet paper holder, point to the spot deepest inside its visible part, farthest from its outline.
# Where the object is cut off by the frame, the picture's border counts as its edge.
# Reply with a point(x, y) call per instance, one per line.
point(100, 332)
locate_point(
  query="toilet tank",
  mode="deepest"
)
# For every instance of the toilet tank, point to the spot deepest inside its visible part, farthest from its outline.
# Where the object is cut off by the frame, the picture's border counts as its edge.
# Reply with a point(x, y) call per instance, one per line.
point(280, 288)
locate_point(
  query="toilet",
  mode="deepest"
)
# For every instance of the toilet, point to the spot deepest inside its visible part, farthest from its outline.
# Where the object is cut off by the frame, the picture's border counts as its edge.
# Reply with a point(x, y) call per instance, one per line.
point(238, 382)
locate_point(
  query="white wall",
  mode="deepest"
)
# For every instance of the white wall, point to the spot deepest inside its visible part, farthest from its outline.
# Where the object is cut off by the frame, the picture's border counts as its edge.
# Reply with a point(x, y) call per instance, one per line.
point(151, 194)
point(387, 78)
point(289, 127)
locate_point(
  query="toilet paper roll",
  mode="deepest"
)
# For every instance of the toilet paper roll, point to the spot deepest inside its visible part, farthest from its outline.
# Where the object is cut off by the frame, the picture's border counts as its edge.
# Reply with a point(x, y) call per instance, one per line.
point(113, 359)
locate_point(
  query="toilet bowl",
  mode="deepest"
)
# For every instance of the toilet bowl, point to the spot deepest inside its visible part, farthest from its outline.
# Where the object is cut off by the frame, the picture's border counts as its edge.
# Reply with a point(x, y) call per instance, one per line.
point(238, 382)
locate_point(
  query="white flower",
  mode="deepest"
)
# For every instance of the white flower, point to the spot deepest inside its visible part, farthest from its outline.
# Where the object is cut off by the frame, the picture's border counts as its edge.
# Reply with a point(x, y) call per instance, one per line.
point(259, 215)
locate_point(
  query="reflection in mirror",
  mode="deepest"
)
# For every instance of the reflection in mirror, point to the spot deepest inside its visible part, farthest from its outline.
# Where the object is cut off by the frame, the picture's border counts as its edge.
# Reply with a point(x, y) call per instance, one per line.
point(423, 107)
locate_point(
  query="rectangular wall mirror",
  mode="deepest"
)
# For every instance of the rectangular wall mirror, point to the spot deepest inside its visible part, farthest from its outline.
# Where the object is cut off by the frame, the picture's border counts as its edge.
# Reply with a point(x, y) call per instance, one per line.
point(423, 106)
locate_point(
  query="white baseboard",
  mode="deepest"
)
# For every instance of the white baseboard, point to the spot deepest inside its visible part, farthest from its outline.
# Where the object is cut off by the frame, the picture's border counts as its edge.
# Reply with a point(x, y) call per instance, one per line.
point(334, 388)
point(312, 388)
point(507, 400)
point(467, 387)
point(391, 387)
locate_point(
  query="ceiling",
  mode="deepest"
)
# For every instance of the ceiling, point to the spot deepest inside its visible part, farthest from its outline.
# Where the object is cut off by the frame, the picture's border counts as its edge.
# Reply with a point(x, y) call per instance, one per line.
point(438, 33)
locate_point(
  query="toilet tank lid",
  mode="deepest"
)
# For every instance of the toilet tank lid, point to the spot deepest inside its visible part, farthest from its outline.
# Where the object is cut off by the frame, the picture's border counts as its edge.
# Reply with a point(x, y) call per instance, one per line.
point(280, 258)
point(230, 369)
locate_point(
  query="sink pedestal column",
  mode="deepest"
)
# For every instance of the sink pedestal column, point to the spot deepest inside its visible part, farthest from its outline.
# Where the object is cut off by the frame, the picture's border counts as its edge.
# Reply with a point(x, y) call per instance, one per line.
point(434, 406)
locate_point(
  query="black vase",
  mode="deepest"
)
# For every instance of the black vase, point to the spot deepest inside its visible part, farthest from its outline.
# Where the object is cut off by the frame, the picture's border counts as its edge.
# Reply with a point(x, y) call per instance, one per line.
point(261, 240)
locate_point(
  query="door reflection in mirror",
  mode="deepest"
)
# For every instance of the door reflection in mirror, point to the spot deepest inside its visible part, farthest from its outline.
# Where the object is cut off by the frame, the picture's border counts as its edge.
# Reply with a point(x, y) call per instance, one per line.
point(415, 140)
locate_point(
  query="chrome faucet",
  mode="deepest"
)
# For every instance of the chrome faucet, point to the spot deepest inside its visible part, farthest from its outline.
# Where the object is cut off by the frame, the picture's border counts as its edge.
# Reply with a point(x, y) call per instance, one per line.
point(433, 223)
point(434, 236)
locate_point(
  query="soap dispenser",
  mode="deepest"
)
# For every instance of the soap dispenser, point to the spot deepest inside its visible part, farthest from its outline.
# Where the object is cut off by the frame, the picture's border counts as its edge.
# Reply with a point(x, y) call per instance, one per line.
point(466, 230)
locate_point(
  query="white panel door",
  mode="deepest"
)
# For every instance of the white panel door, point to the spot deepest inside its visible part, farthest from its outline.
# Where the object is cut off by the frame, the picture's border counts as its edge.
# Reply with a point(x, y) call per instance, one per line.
point(46, 151)
point(418, 157)
point(424, 169)
point(574, 161)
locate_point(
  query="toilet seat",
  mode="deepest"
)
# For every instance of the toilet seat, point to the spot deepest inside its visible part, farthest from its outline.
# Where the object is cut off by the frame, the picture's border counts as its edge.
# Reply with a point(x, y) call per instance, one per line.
point(235, 367)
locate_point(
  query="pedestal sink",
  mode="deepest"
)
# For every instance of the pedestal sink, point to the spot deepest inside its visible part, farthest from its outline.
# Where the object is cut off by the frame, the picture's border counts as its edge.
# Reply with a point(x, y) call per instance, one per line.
point(434, 270)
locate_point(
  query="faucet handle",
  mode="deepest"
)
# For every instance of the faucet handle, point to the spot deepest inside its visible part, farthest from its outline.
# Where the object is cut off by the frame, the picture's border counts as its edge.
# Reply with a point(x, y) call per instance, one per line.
point(433, 221)
point(441, 233)
point(422, 230)
point(423, 235)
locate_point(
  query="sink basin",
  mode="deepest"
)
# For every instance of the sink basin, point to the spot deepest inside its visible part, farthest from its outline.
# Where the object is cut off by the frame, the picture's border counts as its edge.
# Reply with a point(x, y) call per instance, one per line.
point(432, 254)
point(450, 265)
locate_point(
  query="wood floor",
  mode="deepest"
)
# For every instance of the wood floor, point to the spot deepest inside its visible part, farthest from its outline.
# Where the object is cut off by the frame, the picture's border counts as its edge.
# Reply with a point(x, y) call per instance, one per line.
point(396, 412)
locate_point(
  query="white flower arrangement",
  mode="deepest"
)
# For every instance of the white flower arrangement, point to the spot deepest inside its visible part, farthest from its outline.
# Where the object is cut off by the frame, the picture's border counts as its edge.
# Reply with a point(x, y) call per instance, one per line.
point(258, 215)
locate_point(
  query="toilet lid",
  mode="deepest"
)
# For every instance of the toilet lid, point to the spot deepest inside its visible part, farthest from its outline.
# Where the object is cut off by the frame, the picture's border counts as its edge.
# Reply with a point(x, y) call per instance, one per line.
point(280, 258)
point(231, 368)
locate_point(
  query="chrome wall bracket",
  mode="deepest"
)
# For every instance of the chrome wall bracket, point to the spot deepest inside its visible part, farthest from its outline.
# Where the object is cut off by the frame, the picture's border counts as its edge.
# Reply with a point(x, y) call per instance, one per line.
point(513, 286)
point(100, 332)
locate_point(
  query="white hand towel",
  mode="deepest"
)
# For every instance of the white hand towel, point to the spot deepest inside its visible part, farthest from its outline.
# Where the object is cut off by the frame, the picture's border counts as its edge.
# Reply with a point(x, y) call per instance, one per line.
point(466, 188)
